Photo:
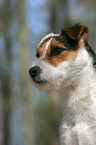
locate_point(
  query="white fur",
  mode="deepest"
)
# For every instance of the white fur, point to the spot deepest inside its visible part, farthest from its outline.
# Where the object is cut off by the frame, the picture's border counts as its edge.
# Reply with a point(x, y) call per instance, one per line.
point(76, 81)
point(46, 48)
point(47, 36)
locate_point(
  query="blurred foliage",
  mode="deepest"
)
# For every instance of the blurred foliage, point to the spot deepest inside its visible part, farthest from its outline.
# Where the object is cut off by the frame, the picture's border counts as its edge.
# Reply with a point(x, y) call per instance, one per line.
point(47, 128)
point(27, 115)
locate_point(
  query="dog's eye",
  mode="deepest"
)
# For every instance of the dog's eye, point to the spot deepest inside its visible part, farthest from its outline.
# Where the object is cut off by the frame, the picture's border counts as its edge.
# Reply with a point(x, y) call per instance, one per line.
point(37, 55)
point(56, 51)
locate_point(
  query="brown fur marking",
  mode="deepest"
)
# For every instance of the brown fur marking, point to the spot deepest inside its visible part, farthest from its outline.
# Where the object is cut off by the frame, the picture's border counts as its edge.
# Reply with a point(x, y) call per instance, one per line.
point(41, 50)
point(64, 56)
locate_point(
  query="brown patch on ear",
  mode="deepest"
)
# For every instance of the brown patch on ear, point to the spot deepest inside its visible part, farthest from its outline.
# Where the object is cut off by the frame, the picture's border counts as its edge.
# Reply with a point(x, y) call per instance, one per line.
point(76, 32)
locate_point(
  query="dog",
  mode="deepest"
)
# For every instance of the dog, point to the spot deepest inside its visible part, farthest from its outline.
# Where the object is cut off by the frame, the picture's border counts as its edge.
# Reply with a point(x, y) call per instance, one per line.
point(66, 63)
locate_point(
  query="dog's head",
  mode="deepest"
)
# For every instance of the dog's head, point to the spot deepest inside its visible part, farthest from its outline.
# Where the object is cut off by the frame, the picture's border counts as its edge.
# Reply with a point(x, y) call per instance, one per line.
point(61, 58)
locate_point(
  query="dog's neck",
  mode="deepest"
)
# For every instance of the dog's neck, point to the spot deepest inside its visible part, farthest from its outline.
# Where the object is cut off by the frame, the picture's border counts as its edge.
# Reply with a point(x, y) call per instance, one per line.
point(79, 97)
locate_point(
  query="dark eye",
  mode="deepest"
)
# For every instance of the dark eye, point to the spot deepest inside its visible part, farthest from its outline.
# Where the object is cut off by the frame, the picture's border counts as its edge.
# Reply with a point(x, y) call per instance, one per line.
point(56, 51)
point(37, 55)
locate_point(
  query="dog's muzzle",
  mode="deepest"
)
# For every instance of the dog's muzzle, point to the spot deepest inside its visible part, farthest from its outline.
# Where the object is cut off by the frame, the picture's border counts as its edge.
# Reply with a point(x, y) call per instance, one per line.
point(34, 71)
point(35, 74)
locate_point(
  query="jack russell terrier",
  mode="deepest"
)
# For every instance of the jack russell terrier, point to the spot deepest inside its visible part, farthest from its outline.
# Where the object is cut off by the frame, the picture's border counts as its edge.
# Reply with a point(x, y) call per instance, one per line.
point(67, 63)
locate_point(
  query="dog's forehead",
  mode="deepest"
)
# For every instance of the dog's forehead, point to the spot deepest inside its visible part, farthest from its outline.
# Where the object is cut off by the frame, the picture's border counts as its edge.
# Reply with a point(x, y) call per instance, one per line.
point(44, 43)
point(51, 41)
point(46, 39)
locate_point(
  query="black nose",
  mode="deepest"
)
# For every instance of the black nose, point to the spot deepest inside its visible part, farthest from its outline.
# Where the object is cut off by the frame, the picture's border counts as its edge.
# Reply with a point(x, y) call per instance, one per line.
point(34, 71)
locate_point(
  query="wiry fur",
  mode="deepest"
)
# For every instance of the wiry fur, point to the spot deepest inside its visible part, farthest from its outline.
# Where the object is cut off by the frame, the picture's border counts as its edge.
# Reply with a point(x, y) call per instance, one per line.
point(76, 81)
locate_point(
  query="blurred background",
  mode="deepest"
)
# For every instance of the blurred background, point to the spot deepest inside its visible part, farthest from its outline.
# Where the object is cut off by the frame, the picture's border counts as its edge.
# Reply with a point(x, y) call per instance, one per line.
point(27, 115)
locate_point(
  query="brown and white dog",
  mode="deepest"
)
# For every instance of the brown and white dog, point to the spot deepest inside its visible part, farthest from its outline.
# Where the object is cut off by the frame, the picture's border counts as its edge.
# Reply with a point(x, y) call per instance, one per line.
point(66, 63)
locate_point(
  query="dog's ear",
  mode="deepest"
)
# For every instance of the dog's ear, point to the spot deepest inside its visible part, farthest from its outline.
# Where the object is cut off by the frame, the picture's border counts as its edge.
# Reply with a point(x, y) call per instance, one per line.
point(76, 32)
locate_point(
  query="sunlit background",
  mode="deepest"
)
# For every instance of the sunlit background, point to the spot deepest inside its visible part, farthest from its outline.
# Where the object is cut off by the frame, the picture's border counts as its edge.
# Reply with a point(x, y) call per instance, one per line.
point(27, 115)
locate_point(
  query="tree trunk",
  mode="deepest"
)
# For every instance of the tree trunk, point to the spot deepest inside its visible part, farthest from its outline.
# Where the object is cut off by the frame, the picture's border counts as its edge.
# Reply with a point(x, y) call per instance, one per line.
point(6, 75)
point(25, 64)
point(6, 95)
point(53, 19)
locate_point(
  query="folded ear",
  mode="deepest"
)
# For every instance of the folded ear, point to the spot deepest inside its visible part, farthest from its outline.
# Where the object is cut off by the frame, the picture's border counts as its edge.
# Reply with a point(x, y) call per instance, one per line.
point(76, 32)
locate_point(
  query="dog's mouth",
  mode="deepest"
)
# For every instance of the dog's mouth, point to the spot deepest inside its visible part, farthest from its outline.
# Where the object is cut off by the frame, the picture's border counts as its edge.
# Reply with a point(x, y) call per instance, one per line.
point(38, 80)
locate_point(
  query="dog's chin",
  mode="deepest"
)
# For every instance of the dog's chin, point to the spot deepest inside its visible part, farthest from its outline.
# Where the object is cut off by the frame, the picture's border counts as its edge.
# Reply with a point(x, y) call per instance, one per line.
point(38, 83)
point(43, 85)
